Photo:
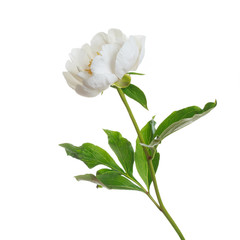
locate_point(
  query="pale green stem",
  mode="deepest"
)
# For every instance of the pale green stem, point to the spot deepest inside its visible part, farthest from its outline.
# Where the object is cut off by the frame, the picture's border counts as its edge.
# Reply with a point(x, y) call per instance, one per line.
point(161, 207)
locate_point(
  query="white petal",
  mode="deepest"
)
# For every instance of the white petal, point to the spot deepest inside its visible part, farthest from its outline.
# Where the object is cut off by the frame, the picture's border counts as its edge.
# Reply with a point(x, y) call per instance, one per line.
point(105, 62)
point(72, 68)
point(100, 82)
point(88, 50)
point(81, 57)
point(98, 40)
point(116, 36)
point(84, 75)
point(140, 40)
point(86, 92)
point(75, 83)
point(71, 80)
point(126, 57)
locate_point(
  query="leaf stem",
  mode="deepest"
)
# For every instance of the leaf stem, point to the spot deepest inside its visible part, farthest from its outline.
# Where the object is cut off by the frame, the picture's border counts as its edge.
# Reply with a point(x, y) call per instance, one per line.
point(144, 190)
point(161, 207)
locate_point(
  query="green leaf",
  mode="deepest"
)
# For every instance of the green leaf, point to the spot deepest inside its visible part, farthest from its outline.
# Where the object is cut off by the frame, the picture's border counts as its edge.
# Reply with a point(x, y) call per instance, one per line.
point(136, 94)
point(91, 155)
point(89, 178)
point(109, 179)
point(182, 118)
point(114, 180)
point(135, 73)
point(140, 157)
point(123, 150)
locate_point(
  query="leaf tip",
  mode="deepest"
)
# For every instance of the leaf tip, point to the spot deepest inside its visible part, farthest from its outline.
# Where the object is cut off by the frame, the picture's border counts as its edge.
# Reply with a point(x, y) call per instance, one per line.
point(76, 177)
point(62, 145)
point(106, 131)
point(135, 73)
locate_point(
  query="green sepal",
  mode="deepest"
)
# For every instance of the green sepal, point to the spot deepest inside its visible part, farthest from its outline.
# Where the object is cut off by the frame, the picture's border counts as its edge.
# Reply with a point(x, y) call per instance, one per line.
point(135, 73)
point(91, 155)
point(180, 119)
point(124, 82)
point(122, 148)
point(136, 94)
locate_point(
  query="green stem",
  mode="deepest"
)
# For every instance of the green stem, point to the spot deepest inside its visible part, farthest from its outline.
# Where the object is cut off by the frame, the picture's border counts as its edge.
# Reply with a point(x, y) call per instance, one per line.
point(174, 225)
point(144, 190)
point(161, 207)
point(141, 139)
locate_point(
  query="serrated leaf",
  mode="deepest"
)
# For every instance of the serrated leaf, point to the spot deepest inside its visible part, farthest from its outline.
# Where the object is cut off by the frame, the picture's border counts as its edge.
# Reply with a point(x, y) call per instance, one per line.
point(114, 180)
point(136, 94)
point(182, 118)
point(140, 157)
point(123, 150)
point(91, 155)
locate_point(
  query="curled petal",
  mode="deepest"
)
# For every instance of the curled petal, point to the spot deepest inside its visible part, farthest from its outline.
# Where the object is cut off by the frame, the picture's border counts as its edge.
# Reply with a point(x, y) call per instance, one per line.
point(77, 84)
point(81, 89)
point(140, 40)
point(81, 57)
point(84, 76)
point(116, 36)
point(98, 41)
point(71, 67)
point(89, 51)
point(71, 80)
point(126, 57)
point(100, 82)
point(105, 62)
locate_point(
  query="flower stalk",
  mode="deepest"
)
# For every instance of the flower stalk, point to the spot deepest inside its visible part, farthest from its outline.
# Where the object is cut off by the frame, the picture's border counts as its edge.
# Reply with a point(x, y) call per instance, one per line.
point(161, 206)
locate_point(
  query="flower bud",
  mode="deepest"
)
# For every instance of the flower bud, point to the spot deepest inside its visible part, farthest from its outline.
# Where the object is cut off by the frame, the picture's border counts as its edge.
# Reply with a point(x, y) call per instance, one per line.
point(124, 82)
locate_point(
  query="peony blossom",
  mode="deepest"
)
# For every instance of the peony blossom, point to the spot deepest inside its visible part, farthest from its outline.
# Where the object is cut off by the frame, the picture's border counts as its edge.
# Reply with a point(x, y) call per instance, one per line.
point(95, 67)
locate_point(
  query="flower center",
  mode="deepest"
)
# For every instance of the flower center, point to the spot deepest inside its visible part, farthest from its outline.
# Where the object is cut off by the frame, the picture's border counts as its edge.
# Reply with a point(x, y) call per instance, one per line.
point(89, 67)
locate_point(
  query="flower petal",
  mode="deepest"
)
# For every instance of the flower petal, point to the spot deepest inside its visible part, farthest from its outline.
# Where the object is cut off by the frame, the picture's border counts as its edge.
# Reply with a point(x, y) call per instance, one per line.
point(116, 36)
point(86, 92)
point(81, 56)
point(84, 75)
point(71, 67)
point(140, 40)
point(75, 83)
point(91, 54)
point(100, 82)
point(71, 80)
point(98, 41)
point(126, 57)
point(105, 62)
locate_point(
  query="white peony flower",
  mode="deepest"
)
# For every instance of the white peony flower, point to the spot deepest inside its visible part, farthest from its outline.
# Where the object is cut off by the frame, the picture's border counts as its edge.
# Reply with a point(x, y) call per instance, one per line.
point(93, 68)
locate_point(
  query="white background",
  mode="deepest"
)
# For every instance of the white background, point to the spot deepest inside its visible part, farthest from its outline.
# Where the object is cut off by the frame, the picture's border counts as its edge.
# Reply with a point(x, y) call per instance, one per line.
point(192, 57)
